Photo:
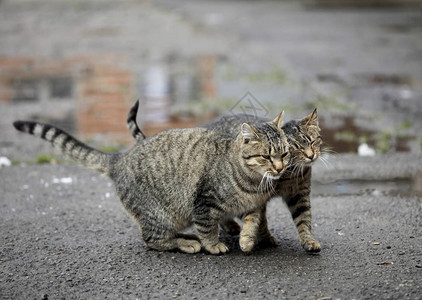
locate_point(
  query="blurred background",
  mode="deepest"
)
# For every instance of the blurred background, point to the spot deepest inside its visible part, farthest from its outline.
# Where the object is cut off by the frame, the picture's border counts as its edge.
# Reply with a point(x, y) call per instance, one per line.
point(81, 65)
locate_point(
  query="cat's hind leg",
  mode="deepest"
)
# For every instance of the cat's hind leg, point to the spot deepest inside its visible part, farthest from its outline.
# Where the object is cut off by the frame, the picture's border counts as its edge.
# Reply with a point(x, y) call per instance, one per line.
point(206, 214)
point(170, 241)
point(208, 233)
point(182, 244)
point(162, 236)
point(188, 243)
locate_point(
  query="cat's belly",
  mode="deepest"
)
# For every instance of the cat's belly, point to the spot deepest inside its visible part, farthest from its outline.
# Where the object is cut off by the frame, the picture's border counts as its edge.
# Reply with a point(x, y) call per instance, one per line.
point(245, 203)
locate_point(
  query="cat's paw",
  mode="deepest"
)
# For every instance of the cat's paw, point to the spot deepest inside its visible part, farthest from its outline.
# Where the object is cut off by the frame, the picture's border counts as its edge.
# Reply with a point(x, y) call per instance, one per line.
point(217, 249)
point(246, 243)
point(231, 227)
point(268, 241)
point(311, 246)
point(189, 246)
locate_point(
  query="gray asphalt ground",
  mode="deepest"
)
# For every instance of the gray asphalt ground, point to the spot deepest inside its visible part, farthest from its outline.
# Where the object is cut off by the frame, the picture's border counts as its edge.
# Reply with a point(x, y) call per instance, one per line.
point(70, 238)
point(65, 235)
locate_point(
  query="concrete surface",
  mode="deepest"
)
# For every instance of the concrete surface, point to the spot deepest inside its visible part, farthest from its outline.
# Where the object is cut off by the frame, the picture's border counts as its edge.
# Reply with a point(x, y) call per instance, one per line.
point(65, 235)
point(70, 238)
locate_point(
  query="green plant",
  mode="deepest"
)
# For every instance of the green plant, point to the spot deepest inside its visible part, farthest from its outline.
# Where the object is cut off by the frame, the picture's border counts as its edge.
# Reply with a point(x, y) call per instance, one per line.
point(403, 125)
point(110, 148)
point(275, 75)
point(331, 102)
point(345, 136)
point(420, 143)
point(383, 141)
point(44, 159)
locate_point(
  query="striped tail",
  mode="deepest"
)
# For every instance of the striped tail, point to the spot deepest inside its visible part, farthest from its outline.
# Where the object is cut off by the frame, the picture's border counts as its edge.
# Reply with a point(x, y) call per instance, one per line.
point(132, 125)
point(68, 145)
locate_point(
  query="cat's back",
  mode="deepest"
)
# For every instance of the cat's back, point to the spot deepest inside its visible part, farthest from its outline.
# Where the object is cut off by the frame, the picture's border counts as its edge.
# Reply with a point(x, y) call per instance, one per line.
point(170, 164)
point(176, 152)
point(229, 125)
point(193, 141)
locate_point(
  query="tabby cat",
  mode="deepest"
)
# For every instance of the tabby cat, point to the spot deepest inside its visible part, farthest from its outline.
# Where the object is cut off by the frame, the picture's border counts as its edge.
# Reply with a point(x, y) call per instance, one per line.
point(294, 186)
point(183, 177)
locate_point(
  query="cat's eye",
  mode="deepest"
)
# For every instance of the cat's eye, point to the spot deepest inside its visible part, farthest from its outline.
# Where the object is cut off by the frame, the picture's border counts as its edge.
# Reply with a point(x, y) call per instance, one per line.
point(265, 156)
point(307, 139)
point(284, 155)
point(317, 141)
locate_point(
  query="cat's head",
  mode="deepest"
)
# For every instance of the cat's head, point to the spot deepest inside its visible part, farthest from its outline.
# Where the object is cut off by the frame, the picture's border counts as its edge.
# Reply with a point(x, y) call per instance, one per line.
point(305, 139)
point(264, 148)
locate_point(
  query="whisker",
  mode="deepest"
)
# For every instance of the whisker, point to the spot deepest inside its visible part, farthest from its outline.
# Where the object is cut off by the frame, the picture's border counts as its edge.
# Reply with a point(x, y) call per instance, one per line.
point(323, 160)
point(301, 170)
point(271, 185)
point(302, 166)
point(299, 166)
point(260, 187)
point(266, 182)
point(328, 150)
point(295, 169)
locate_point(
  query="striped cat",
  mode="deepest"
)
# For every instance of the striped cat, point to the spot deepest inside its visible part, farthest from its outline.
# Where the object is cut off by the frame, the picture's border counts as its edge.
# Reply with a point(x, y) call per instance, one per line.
point(183, 177)
point(294, 186)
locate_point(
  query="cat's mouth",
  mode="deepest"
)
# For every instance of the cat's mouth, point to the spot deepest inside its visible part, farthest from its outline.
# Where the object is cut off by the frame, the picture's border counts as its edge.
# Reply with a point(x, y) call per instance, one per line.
point(273, 177)
point(309, 162)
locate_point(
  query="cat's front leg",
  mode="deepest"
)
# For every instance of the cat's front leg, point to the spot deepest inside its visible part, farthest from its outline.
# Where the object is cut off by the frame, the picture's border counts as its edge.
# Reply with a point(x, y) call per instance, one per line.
point(208, 233)
point(255, 229)
point(248, 235)
point(299, 204)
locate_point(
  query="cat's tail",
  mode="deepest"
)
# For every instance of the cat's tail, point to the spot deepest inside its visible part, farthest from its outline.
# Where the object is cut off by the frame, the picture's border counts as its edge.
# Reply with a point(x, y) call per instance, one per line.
point(68, 145)
point(132, 125)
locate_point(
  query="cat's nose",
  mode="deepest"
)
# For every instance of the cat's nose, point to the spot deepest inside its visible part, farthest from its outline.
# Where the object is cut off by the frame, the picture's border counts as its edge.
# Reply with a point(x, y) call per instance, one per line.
point(278, 166)
point(310, 155)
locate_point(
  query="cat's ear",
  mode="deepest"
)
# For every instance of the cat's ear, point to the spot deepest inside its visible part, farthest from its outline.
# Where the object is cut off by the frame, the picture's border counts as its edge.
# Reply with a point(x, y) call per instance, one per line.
point(311, 119)
point(278, 122)
point(248, 133)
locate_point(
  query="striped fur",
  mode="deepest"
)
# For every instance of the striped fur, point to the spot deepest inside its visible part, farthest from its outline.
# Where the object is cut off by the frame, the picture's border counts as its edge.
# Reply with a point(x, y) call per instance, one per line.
point(251, 221)
point(67, 145)
point(305, 141)
point(132, 125)
point(183, 177)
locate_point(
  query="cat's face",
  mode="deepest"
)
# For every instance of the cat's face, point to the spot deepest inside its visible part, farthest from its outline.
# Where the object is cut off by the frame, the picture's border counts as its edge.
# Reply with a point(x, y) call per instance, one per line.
point(264, 148)
point(304, 139)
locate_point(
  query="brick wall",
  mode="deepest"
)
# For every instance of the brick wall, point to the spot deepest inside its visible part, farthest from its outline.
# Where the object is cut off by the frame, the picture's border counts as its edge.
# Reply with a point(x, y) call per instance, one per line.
point(102, 91)
point(105, 95)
